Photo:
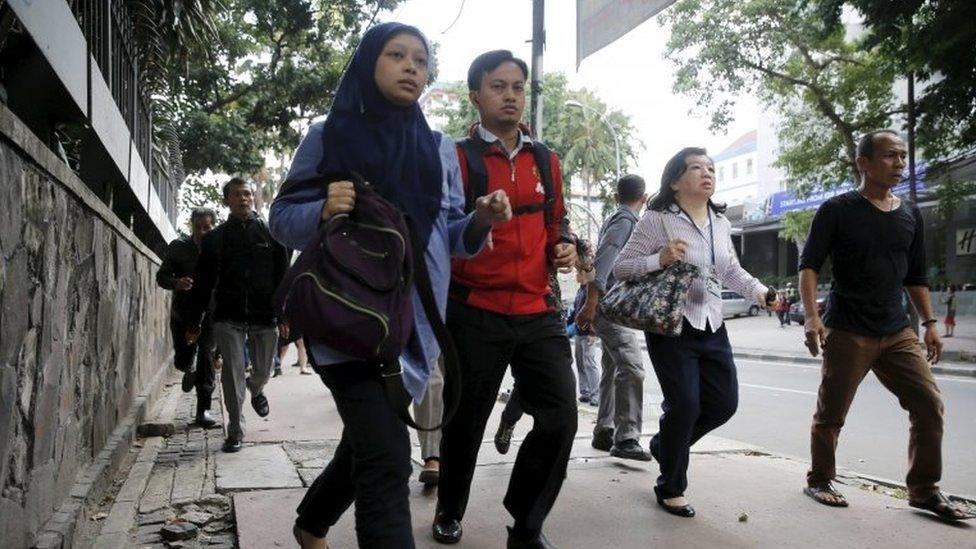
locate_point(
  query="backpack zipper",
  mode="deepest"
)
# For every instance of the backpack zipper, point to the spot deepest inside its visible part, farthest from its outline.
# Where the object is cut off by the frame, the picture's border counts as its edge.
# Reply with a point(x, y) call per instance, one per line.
point(345, 301)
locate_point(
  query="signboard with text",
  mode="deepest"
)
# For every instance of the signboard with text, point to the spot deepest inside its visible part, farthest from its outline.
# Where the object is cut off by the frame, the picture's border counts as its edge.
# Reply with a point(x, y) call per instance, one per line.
point(966, 241)
point(786, 201)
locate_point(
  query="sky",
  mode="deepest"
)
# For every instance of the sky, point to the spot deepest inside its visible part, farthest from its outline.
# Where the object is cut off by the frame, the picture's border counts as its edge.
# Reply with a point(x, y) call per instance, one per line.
point(630, 74)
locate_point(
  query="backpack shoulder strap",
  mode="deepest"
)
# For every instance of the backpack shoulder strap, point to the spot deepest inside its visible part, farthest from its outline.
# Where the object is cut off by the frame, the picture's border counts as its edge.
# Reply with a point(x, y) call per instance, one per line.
point(474, 156)
point(543, 161)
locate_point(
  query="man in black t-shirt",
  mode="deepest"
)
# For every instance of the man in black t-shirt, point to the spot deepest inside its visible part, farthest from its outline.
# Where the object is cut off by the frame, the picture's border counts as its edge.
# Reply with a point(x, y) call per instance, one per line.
point(876, 246)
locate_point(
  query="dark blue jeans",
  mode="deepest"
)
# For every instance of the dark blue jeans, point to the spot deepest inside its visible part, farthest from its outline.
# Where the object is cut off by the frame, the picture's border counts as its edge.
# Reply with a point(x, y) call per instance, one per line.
point(371, 465)
point(697, 377)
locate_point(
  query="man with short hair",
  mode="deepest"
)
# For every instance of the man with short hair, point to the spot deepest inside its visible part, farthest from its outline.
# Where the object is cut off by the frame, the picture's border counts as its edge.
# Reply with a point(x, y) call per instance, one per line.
point(500, 311)
point(876, 245)
point(240, 266)
point(176, 275)
point(620, 417)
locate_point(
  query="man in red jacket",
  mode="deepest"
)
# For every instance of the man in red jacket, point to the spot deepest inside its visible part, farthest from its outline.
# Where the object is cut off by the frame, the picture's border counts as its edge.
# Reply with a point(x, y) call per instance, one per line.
point(501, 310)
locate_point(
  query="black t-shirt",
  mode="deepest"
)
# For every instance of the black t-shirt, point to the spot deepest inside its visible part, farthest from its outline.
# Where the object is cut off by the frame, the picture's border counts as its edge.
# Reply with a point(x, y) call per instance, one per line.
point(874, 254)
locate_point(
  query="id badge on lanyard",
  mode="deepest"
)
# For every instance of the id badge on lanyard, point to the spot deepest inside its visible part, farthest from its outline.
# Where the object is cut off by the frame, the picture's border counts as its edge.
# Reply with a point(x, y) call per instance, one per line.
point(712, 284)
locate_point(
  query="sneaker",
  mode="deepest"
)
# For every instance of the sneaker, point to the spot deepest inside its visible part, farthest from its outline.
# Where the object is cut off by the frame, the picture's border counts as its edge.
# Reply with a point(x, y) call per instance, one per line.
point(260, 405)
point(232, 445)
point(630, 449)
point(584, 399)
point(204, 419)
point(503, 438)
point(602, 439)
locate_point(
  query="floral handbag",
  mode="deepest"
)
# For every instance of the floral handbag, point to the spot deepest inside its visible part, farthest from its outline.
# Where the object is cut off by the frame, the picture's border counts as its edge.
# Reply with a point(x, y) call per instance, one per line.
point(654, 302)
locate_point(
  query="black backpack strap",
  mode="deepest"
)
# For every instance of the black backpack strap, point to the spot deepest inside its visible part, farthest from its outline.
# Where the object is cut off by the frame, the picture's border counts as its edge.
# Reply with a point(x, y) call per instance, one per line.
point(474, 156)
point(543, 161)
point(396, 394)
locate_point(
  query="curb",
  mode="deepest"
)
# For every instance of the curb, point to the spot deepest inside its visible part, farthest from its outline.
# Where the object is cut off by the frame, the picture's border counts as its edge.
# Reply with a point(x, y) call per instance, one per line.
point(59, 530)
point(962, 371)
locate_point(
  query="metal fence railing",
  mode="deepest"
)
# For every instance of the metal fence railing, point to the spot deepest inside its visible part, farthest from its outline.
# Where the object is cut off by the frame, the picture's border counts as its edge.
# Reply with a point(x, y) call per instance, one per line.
point(109, 32)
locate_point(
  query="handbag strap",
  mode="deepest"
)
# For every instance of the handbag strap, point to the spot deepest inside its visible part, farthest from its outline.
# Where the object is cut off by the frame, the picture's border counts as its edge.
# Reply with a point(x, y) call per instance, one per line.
point(396, 394)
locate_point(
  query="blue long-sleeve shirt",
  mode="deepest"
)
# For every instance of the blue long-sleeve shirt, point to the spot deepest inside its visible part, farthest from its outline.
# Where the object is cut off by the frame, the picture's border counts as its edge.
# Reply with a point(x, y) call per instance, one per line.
point(294, 220)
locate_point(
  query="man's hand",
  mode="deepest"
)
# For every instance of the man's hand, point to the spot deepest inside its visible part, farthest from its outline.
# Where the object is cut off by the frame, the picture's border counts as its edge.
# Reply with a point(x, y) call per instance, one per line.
point(341, 199)
point(674, 251)
point(564, 256)
point(585, 316)
point(283, 330)
point(815, 332)
point(492, 208)
point(192, 335)
point(933, 343)
point(184, 283)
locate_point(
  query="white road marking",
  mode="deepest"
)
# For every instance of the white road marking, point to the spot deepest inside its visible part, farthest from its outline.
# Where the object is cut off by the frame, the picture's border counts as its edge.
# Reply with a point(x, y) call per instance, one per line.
point(778, 389)
point(940, 377)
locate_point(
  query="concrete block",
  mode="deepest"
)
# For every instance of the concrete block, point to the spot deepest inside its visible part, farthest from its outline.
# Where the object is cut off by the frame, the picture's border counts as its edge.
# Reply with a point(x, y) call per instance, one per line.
point(256, 467)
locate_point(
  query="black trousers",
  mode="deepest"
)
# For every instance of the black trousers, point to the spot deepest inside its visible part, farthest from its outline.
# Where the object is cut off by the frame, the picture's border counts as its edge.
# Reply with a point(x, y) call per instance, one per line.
point(538, 350)
point(698, 379)
point(203, 350)
point(371, 465)
point(513, 408)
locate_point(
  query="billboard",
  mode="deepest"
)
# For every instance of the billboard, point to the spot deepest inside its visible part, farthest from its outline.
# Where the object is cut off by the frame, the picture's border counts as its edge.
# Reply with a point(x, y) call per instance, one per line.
point(786, 201)
point(600, 22)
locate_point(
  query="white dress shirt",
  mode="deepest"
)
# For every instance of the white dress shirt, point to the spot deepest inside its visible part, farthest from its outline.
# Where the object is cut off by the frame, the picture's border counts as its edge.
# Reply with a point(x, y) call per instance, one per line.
point(642, 255)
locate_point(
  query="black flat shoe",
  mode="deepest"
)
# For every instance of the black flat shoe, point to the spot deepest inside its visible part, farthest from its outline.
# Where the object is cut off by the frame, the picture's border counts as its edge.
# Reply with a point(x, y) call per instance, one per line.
point(446, 530)
point(686, 511)
point(260, 405)
point(232, 445)
point(538, 542)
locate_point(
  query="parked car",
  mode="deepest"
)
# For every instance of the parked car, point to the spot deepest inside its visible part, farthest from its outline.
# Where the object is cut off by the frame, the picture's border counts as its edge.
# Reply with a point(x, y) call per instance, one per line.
point(798, 314)
point(735, 305)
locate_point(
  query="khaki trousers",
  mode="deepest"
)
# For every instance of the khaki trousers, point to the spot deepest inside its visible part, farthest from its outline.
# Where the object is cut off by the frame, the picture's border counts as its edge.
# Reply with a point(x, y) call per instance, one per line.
point(899, 363)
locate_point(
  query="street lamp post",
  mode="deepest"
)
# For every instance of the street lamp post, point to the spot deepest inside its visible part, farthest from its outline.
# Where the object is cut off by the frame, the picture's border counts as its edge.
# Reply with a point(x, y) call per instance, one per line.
point(616, 150)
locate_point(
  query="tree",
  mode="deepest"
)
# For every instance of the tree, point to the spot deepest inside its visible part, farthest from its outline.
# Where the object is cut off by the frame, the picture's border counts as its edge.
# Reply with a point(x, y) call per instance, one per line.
point(274, 66)
point(796, 227)
point(935, 40)
point(827, 88)
point(583, 142)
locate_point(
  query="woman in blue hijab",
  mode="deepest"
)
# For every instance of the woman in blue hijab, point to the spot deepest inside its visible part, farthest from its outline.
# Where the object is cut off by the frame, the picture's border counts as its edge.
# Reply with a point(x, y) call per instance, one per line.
point(376, 128)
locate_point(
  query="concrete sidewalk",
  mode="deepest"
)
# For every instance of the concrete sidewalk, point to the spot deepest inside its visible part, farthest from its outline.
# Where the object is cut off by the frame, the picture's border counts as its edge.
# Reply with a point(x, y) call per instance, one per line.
point(744, 496)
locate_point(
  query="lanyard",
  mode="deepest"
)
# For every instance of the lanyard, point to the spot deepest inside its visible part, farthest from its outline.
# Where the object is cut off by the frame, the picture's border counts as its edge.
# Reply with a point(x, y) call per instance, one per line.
point(711, 230)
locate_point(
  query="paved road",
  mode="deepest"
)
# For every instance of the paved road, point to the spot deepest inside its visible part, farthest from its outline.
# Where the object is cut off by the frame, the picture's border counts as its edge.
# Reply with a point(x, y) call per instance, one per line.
point(777, 402)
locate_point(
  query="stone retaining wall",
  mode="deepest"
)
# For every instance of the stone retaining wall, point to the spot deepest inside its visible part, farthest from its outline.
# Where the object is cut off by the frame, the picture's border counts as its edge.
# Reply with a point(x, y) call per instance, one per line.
point(83, 329)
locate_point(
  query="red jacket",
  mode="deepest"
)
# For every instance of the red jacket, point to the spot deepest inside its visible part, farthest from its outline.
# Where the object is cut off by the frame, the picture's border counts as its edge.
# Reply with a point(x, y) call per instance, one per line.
point(513, 277)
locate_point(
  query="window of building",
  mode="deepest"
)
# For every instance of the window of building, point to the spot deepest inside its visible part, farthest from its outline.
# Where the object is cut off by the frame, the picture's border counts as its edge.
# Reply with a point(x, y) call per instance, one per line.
point(749, 166)
point(721, 174)
point(735, 170)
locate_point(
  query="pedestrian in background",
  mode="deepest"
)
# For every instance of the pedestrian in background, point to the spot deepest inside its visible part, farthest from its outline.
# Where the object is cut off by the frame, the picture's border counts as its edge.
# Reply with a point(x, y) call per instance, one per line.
point(176, 273)
point(695, 370)
point(949, 299)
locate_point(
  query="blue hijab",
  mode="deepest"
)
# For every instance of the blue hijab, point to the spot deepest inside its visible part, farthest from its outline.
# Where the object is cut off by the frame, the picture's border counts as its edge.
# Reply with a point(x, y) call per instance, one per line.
point(391, 146)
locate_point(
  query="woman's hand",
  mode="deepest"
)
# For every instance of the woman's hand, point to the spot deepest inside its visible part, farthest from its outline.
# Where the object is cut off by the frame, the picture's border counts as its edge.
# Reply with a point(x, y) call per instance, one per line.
point(674, 251)
point(341, 199)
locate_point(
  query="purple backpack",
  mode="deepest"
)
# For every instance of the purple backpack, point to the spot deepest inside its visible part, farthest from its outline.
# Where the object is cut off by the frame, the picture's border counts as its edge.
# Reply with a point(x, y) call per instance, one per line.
point(350, 287)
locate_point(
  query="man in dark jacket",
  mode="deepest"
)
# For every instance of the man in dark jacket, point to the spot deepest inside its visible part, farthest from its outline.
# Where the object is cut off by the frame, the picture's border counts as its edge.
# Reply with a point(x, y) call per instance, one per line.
point(240, 266)
point(176, 274)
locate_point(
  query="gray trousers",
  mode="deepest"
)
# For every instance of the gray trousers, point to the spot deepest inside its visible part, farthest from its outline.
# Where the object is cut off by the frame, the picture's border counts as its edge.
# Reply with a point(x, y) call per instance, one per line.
point(261, 346)
point(622, 381)
point(429, 412)
point(586, 369)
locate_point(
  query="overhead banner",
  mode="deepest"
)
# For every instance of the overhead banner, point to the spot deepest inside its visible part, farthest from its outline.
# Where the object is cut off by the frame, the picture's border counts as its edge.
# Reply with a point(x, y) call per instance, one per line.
point(600, 22)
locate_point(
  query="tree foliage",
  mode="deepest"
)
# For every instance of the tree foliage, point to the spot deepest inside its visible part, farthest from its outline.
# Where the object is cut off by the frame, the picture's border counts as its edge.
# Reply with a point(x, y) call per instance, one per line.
point(936, 40)
point(579, 136)
point(828, 88)
point(796, 226)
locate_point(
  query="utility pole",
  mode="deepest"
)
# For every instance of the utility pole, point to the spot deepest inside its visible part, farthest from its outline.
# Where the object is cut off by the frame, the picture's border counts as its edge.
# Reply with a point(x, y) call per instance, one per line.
point(911, 138)
point(538, 46)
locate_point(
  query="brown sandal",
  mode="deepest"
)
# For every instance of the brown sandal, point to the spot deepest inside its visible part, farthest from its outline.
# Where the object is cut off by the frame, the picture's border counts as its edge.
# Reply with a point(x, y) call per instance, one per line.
point(941, 506)
point(826, 489)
